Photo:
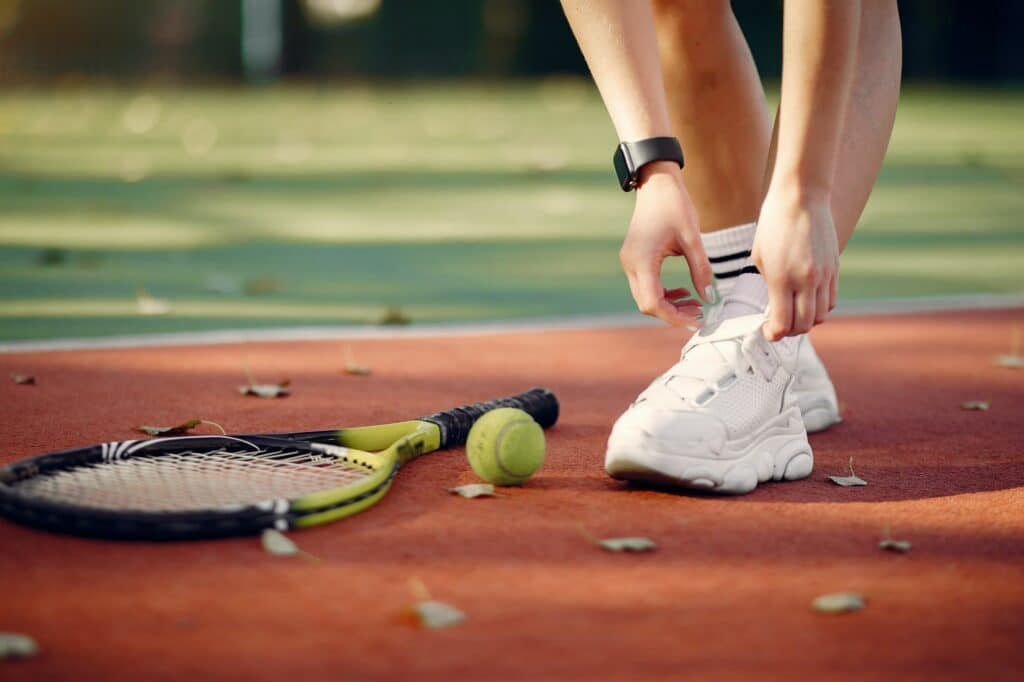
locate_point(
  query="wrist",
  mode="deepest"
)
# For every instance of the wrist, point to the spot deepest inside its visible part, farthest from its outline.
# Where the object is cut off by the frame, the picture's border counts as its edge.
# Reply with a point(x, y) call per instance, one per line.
point(797, 189)
point(657, 172)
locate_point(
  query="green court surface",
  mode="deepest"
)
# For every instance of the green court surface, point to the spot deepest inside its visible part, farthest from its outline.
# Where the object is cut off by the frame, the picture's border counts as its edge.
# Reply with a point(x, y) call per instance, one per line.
point(328, 205)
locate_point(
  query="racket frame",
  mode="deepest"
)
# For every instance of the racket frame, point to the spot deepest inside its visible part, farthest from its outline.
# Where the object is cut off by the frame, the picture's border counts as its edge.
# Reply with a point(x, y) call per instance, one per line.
point(382, 449)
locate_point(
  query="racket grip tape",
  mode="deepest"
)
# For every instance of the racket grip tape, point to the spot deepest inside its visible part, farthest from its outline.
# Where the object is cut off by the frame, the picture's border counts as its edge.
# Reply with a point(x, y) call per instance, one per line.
point(539, 403)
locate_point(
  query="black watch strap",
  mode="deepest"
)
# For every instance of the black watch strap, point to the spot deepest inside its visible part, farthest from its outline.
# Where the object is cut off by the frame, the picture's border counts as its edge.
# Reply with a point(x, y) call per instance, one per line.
point(631, 157)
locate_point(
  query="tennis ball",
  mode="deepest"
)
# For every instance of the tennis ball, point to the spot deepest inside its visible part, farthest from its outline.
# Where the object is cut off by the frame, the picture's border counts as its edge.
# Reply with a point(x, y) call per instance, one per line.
point(505, 446)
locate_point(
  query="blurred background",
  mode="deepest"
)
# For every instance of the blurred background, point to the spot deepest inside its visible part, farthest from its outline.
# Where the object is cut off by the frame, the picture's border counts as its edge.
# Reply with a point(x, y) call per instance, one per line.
point(180, 165)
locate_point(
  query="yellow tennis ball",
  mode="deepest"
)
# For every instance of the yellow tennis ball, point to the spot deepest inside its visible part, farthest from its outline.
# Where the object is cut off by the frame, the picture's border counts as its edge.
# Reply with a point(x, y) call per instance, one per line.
point(505, 446)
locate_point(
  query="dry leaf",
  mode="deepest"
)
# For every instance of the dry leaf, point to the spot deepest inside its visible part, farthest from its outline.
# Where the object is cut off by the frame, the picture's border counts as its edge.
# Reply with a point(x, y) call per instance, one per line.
point(887, 543)
point(626, 544)
point(633, 544)
point(901, 546)
point(474, 490)
point(24, 379)
point(435, 615)
point(179, 430)
point(278, 390)
point(394, 315)
point(146, 304)
point(1010, 361)
point(432, 614)
point(839, 602)
point(976, 405)
point(16, 645)
point(1014, 360)
point(351, 367)
point(277, 543)
point(847, 481)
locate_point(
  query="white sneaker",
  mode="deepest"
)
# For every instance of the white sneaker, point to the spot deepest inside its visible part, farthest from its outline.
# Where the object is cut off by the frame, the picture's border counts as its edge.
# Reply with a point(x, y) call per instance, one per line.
point(723, 419)
point(813, 390)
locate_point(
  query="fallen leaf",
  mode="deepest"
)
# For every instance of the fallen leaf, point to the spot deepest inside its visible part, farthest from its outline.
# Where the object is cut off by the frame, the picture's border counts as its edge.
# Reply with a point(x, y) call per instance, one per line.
point(351, 367)
point(839, 602)
point(901, 546)
point(847, 481)
point(975, 405)
point(472, 490)
point(277, 543)
point(887, 543)
point(633, 544)
point(147, 304)
point(435, 615)
point(1014, 360)
point(394, 316)
point(16, 645)
point(1010, 361)
point(179, 430)
point(24, 379)
point(278, 390)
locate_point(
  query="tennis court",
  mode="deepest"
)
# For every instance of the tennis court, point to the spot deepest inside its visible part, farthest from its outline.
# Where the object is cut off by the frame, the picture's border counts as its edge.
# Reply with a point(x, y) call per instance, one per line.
point(726, 595)
point(157, 245)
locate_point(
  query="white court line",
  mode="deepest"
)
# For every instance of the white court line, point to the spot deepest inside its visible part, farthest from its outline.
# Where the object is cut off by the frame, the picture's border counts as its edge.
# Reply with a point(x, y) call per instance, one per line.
point(888, 306)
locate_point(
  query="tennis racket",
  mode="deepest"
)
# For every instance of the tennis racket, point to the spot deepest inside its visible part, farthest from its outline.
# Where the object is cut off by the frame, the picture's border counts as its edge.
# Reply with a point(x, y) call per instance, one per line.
point(216, 486)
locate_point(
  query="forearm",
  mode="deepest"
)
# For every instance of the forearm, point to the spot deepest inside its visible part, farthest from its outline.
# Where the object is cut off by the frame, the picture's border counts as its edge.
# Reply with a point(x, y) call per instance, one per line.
point(819, 55)
point(619, 43)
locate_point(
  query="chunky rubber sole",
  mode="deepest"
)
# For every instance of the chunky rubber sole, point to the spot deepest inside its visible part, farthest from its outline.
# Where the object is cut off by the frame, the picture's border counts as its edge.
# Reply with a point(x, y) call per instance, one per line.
point(778, 452)
point(820, 418)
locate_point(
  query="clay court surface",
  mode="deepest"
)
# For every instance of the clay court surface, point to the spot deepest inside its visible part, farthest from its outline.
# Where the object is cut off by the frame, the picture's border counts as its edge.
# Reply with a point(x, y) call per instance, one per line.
point(726, 595)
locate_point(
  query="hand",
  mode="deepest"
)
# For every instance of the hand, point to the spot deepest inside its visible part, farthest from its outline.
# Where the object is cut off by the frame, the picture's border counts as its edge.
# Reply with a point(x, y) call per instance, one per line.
point(664, 224)
point(797, 252)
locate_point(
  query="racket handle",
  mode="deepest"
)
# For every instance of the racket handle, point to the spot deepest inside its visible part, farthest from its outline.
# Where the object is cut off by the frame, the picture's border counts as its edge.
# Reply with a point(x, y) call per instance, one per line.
point(539, 403)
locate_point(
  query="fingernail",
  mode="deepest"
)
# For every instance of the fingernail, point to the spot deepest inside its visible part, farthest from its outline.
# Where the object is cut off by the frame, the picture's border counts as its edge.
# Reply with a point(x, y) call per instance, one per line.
point(709, 294)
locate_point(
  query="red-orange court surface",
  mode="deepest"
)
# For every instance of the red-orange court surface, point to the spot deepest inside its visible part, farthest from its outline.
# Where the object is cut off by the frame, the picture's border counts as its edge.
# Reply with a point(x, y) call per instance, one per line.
point(726, 595)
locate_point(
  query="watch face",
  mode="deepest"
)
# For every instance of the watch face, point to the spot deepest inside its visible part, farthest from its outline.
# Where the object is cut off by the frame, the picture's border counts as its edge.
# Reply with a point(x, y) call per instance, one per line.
point(627, 179)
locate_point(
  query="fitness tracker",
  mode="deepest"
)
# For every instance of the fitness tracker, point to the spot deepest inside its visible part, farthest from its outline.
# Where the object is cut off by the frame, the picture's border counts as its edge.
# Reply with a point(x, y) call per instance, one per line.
point(631, 157)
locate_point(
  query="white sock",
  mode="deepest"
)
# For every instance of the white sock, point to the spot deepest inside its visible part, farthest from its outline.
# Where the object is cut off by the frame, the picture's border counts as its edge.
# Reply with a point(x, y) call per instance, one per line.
point(729, 253)
point(748, 296)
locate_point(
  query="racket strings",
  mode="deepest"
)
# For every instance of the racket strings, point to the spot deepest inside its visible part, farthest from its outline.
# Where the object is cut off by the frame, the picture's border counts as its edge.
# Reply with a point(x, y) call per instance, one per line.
point(191, 481)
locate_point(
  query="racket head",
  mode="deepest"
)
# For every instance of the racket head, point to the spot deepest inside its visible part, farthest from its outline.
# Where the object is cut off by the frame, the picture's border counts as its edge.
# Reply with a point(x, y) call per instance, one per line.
point(195, 486)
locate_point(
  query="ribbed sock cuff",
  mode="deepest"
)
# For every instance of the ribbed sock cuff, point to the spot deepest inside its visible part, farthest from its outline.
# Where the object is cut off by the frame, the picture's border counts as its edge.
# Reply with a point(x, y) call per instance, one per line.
point(729, 253)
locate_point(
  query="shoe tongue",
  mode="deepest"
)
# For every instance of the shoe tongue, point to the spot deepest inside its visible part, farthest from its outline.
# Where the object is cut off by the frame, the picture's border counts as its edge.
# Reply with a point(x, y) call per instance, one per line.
point(712, 354)
point(749, 296)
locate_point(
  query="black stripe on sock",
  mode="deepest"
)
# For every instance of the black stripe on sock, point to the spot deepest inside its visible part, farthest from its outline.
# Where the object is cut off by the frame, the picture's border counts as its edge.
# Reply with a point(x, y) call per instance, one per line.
point(732, 256)
point(748, 270)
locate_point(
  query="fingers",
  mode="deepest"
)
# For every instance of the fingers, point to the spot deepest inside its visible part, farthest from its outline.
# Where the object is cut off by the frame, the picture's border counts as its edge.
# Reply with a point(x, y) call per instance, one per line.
point(833, 292)
point(650, 297)
point(805, 304)
point(681, 292)
point(700, 268)
point(823, 305)
point(780, 312)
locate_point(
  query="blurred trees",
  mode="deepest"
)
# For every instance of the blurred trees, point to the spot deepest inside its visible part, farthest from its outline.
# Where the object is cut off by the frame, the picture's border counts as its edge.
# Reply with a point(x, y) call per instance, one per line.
point(199, 40)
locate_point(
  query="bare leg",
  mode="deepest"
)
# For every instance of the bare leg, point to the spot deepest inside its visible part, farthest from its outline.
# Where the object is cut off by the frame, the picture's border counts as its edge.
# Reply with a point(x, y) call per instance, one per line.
point(717, 108)
point(869, 119)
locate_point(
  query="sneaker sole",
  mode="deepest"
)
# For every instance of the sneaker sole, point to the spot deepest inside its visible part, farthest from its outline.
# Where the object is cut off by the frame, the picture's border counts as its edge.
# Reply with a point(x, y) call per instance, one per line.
point(779, 452)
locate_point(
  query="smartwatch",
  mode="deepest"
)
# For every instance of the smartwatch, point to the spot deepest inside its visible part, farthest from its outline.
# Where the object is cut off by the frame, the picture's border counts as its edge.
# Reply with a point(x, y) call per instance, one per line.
point(631, 157)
